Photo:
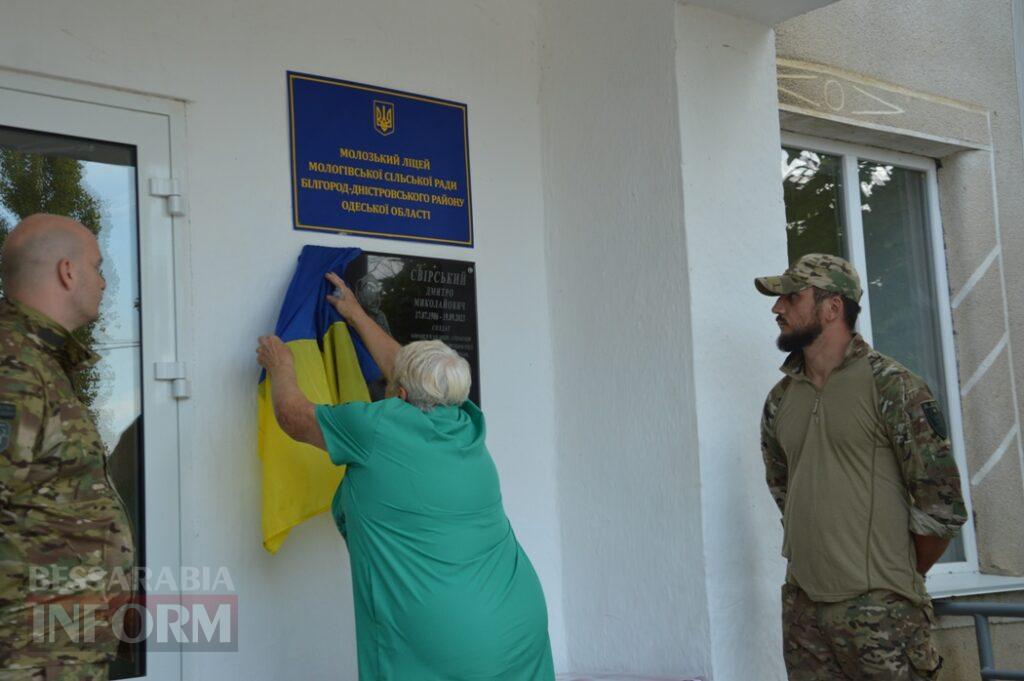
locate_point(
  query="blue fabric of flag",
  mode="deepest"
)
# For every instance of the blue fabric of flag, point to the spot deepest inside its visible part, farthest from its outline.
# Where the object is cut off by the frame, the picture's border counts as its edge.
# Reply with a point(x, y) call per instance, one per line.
point(306, 312)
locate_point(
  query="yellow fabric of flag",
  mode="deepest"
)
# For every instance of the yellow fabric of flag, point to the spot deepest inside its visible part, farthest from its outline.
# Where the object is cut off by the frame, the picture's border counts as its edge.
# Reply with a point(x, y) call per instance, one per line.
point(299, 480)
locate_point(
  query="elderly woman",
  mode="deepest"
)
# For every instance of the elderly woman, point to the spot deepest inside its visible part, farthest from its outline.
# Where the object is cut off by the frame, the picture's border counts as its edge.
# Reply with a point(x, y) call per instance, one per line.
point(442, 589)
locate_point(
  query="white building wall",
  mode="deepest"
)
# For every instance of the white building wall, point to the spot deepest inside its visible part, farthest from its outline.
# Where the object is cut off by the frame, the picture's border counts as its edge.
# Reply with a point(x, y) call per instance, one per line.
point(228, 60)
point(629, 479)
point(735, 230)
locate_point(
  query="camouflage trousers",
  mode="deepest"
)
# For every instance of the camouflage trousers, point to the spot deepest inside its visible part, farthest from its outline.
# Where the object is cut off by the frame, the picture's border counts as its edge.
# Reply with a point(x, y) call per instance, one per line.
point(878, 636)
point(61, 672)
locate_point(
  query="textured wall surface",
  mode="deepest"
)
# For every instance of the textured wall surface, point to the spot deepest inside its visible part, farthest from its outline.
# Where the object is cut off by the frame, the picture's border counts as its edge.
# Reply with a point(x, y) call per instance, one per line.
point(956, 641)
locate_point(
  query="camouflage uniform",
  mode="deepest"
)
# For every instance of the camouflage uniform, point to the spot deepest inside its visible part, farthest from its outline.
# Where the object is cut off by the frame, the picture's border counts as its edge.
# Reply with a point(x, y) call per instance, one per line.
point(62, 672)
point(856, 468)
point(820, 270)
point(877, 635)
point(58, 510)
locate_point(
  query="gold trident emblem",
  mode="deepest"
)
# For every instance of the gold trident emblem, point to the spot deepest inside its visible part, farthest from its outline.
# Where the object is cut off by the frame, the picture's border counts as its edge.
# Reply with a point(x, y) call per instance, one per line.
point(383, 117)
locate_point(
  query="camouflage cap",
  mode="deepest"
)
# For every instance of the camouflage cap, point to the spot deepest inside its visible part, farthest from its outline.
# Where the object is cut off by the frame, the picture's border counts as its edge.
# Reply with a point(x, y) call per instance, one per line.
point(827, 272)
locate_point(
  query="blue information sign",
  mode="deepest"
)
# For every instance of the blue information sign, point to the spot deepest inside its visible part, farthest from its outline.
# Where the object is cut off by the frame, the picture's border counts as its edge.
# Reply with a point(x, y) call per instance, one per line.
point(377, 162)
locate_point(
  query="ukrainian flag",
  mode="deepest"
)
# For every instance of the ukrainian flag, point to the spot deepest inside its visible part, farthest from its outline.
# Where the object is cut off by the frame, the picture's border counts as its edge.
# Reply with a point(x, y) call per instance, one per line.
point(333, 366)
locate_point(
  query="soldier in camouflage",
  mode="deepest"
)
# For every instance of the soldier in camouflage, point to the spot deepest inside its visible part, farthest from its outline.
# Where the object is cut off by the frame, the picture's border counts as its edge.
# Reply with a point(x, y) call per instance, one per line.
point(858, 460)
point(66, 547)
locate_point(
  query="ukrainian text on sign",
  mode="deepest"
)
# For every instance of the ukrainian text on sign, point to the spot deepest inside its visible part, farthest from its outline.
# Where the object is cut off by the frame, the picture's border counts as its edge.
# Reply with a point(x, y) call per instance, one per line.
point(377, 162)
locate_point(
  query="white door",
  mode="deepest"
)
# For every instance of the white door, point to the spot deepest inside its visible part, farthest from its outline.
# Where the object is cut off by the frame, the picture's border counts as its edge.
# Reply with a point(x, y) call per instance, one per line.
point(91, 153)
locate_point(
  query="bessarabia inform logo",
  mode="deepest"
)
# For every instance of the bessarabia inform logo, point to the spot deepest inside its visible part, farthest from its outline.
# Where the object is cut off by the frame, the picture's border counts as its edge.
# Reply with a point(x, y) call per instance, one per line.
point(188, 608)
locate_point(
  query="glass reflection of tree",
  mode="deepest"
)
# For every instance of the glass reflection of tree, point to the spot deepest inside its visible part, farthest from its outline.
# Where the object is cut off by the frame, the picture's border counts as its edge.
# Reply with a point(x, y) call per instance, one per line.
point(399, 292)
point(876, 176)
point(371, 287)
point(34, 183)
point(903, 320)
point(812, 190)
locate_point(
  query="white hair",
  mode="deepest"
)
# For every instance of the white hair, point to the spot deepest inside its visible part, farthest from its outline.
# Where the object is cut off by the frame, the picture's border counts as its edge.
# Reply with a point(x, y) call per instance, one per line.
point(432, 374)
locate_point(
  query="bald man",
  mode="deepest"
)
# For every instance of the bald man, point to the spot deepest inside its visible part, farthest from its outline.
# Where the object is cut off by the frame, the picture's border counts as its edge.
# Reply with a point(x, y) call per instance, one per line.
point(66, 550)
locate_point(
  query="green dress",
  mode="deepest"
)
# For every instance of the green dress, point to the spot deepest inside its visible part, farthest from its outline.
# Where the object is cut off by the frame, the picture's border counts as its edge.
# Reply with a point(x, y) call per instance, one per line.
point(442, 589)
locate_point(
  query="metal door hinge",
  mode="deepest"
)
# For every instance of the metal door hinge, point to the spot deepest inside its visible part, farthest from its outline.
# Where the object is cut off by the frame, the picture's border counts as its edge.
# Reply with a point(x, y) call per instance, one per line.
point(170, 189)
point(177, 374)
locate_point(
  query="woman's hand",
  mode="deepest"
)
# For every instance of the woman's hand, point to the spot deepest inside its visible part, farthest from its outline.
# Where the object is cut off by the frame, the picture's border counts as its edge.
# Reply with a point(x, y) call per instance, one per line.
point(273, 354)
point(294, 413)
point(343, 300)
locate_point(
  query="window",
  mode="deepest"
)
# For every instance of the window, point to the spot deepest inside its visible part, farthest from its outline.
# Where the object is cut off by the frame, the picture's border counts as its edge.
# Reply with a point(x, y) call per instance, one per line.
point(879, 210)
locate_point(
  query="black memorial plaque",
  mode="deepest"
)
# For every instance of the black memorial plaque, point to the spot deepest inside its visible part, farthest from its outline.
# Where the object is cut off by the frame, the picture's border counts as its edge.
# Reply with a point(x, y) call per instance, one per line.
point(415, 298)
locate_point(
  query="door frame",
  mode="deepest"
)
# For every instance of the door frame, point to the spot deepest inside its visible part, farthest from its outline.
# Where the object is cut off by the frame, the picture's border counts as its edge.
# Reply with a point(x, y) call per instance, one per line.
point(156, 127)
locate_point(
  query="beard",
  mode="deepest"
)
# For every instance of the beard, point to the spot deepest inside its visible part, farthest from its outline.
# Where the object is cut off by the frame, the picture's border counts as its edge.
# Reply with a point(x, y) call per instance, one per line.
point(799, 339)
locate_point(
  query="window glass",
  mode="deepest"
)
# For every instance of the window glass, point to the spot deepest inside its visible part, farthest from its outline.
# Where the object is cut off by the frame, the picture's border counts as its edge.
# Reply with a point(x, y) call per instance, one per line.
point(900, 280)
point(813, 191)
point(94, 183)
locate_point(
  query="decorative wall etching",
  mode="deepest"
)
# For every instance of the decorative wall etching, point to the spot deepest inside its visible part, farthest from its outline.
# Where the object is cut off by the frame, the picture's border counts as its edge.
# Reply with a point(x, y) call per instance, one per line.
point(823, 91)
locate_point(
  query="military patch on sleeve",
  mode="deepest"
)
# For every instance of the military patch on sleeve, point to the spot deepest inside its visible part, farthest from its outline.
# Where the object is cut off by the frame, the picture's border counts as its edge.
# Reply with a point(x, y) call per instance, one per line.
point(8, 411)
point(5, 435)
point(936, 420)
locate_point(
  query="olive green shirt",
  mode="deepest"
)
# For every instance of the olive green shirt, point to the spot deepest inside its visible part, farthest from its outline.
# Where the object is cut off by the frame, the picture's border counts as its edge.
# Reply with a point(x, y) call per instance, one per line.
point(856, 468)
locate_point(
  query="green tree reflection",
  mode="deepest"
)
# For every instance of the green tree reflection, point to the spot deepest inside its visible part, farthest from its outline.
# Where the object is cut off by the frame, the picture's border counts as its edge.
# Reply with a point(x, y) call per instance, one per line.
point(35, 183)
point(812, 191)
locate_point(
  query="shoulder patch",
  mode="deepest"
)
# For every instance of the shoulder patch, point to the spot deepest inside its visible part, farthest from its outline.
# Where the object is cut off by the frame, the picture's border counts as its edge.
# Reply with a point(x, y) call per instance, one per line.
point(936, 420)
point(5, 435)
point(7, 411)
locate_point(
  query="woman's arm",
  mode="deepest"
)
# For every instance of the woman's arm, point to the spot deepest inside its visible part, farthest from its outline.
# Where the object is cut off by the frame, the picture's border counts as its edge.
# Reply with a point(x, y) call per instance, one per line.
point(295, 414)
point(382, 346)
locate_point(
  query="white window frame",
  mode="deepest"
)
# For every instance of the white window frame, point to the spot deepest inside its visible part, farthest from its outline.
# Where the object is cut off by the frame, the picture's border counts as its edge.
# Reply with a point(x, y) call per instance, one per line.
point(944, 576)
